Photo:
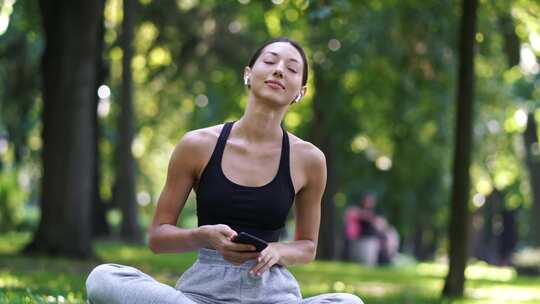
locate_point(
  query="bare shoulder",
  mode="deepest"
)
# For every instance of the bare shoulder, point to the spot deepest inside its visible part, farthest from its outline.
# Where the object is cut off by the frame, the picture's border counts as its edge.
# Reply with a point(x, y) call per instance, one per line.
point(311, 157)
point(199, 140)
point(195, 148)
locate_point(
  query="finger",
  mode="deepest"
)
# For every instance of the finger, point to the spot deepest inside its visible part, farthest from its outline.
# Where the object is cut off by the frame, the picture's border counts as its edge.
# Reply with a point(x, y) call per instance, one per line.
point(239, 256)
point(266, 266)
point(261, 262)
point(260, 268)
point(227, 231)
point(239, 247)
point(273, 260)
point(243, 256)
point(263, 254)
point(228, 256)
point(247, 255)
point(255, 268)
point(247, 259)
point(265, 251)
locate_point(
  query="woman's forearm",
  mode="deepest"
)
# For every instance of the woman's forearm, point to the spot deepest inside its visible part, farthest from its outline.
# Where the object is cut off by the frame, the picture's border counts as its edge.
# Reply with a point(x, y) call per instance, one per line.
point(169, 238)
point(296, 252)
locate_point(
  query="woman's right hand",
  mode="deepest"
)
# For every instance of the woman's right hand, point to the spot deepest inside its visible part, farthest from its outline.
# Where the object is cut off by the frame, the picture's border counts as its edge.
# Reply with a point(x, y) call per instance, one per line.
point(219, 237)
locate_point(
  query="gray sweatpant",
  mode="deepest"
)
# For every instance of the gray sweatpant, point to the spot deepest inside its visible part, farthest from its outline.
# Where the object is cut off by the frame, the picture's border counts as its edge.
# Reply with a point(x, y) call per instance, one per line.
point(211, 279)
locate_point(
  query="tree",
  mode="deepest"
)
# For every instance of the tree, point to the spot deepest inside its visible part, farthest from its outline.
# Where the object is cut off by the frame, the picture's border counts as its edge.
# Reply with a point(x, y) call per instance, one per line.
point(530, 137)
point(68, 73)
point(100, 227)
point(323, 140)
point(459, 209)
point(125, 183)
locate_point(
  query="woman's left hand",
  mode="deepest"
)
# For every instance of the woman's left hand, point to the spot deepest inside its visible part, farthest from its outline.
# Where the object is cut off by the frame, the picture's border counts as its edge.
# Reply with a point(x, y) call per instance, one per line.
point(266, 259)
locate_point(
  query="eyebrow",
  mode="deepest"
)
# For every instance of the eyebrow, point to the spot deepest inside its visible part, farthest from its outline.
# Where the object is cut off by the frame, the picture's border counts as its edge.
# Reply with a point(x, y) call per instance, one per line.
point(276, 54)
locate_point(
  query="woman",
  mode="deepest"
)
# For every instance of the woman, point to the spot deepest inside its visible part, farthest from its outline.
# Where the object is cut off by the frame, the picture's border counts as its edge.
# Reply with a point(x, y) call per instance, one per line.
point(246, 175)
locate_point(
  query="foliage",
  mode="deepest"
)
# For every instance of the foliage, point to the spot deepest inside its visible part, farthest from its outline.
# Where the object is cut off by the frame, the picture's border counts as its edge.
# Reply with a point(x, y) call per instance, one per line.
point(384, 70)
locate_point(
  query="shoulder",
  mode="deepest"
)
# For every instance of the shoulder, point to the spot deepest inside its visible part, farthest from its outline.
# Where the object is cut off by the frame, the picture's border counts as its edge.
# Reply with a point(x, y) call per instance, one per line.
point(310, 157)
point(198, 139)
point(196, 145)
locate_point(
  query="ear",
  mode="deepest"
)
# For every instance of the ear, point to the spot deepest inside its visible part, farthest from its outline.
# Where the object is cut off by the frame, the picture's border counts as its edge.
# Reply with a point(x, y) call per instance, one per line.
point(247, 73)
point(303, 92)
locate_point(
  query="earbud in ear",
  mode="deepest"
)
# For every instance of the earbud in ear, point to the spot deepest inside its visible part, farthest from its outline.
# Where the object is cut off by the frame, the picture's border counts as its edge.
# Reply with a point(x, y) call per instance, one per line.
point(246, 80)
point(298, 97)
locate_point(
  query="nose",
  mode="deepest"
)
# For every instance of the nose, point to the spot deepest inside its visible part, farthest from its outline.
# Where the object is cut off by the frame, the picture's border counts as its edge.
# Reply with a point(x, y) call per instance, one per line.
point(278, 72)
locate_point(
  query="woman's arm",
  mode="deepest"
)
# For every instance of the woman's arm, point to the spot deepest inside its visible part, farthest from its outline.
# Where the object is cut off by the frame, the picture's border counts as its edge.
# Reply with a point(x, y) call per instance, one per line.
point(307, 213)
point(187, 161)
point(164, 236)
point(307, 216)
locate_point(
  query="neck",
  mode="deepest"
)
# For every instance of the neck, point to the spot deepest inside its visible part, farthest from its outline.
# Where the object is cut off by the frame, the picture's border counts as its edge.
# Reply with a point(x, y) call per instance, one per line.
point(261, 121)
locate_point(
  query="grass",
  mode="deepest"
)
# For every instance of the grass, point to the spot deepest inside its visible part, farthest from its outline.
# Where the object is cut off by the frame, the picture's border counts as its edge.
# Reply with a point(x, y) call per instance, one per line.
point(26, 279)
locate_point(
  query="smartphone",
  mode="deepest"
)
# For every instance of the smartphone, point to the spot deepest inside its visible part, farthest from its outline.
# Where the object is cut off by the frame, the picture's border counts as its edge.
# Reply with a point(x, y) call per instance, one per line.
point(246, 238)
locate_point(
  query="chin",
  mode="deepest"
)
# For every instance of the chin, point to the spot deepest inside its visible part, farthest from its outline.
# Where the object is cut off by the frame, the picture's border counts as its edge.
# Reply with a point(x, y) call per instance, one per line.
point(279, 102)
point(273, 99)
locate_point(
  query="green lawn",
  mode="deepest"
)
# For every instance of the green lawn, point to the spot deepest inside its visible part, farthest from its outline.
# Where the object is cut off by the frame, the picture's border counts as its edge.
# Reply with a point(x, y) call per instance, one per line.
point(57, 280)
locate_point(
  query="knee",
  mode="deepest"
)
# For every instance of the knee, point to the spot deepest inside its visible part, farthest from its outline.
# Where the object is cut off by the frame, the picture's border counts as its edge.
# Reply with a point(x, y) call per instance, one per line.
point(348, 298)
point(99, 282)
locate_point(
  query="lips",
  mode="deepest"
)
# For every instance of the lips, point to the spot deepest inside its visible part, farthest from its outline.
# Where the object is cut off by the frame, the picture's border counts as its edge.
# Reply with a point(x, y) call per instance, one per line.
point(277, 83)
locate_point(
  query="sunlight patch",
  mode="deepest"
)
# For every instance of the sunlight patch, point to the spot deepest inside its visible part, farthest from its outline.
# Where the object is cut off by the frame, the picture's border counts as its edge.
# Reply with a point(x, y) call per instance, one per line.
point(478, 271)
point(378, 289)
point(500, 274)
point(9, 280)
point(505, 293)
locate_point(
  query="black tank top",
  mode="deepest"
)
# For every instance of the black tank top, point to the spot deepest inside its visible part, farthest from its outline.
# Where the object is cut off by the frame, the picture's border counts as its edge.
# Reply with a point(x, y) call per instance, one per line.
point(261, 211)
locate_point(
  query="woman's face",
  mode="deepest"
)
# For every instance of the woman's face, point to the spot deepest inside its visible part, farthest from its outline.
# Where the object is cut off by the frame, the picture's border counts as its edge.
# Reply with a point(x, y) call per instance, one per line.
point(277, 73)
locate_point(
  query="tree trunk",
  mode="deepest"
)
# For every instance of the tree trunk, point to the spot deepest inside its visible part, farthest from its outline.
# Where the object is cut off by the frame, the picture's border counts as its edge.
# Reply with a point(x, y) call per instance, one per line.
point(485, 247)
point(326, 248)
point(530, 136)
point(532, 148)
point(511, 40)
point(425, 241)
point(129, 230)
point(69, 73)
point(459, 212)
point(100, 227)
point(509, 236)
point(18, 123)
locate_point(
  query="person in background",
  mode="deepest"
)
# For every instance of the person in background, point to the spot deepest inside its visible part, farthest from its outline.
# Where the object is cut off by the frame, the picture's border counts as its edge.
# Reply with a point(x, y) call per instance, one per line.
point(370, 240)
point(351, 229)
point(367, 246)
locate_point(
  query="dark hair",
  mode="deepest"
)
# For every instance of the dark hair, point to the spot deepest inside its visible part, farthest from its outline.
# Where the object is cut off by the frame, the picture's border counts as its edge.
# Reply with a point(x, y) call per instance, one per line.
point(291, 42)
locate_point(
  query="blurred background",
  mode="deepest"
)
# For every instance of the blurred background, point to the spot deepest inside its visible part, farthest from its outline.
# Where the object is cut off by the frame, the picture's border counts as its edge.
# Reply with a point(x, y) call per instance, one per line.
point(94, 97)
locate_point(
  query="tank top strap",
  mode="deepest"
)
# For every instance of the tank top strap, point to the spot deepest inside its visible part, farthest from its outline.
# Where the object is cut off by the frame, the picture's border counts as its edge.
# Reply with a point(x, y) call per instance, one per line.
point(284, 166)
point(222, 140)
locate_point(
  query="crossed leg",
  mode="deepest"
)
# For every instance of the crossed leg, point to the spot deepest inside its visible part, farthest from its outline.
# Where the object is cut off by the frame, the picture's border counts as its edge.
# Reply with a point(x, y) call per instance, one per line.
point(116, 284)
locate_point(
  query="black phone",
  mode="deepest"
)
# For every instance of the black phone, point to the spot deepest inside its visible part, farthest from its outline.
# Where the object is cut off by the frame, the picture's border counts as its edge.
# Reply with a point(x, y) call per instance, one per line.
point(246, 238)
